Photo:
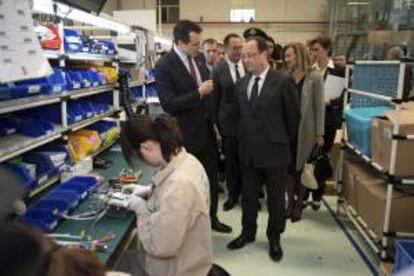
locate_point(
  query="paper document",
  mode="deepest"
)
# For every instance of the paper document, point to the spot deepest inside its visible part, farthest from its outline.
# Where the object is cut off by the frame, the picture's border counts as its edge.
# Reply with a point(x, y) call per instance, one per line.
point(334, 86)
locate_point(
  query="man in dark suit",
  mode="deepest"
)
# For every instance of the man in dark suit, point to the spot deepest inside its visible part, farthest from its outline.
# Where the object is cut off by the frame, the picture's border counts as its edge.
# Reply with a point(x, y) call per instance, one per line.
point(225, 75)
point(181, 80)
point(269, 115)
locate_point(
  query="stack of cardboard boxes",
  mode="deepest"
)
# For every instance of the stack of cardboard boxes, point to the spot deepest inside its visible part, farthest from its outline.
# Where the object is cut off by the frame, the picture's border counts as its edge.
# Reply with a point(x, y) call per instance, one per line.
point(366, 190)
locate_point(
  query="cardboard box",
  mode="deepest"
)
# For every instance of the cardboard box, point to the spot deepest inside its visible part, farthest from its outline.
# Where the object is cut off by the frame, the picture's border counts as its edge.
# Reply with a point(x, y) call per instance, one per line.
point(354, 168)
point(381, 142)
point(372, 193)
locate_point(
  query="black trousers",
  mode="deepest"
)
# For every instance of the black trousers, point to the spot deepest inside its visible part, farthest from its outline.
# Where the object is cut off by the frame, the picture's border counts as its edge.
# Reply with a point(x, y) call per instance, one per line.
point(275, 179)
point(233, 173)
point(329, 139)
point(208, 158)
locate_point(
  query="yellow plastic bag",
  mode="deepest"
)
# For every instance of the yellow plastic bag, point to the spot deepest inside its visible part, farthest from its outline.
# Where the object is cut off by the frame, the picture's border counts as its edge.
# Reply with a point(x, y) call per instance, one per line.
point(110, 73)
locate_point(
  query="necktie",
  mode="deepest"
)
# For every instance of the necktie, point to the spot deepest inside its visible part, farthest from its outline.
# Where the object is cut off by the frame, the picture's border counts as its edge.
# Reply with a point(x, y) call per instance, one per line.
point(237, 72)
point(192, 69)
point(255, 91)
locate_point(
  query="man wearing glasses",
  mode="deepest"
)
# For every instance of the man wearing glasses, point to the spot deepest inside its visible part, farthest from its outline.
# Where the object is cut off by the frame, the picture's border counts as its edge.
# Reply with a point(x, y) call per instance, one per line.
point(268, 116)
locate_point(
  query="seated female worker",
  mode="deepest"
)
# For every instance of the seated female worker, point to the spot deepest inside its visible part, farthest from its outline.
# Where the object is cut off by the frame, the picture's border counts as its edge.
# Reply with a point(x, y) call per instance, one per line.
point(174, 236)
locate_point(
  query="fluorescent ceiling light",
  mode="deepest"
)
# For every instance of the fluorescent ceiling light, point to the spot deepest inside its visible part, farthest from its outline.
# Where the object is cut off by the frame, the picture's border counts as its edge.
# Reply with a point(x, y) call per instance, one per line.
point(64, 11)
point(357, 3)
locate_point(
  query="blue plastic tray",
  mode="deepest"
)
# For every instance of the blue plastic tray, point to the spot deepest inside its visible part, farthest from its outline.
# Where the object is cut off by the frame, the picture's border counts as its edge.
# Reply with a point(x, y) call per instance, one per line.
point(7, 126)
point(44, 166)
point(75, 112)
point(70, 197)
point(404, 255)
point(58, 81)
point(358, 122)
point(71, 41)
point(74, 79)
point(42, 219)
point(54, 206)
point(35, 127)
point(5, 92)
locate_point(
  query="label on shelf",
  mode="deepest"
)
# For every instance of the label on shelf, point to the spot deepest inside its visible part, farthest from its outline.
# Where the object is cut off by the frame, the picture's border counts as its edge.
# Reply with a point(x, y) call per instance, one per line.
point(42, 180)
point(57, 89)
point(78, 118)
point(89, 114)
point(76, 85)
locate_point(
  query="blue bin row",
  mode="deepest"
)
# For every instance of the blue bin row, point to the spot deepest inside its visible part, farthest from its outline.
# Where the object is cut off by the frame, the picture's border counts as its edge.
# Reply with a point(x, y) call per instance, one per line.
point(24, 124)
point(48, 212)
point(76, 43)
point(48, 161)
point(358, 123)
point(84, 79)
point(404, 255)
point(55, 83)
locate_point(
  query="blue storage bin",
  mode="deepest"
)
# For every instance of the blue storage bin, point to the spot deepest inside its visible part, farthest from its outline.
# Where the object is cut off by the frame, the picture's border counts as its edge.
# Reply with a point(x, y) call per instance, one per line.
point(109, 47)
point(56, 147)
point(22, 173)
point(75, 112)
point(44, 166)
point(71, 198)
point(32, 87)
point(80, 189)
point(35, 127)
point(8, 126)
point(5, 92)
point(42, 219)
point(54, 206)
point(88, 110)
point(358, 122)
point(86, 83)
point(404, 255)
point(87, 181)
point(93, 78)
point(74, 79)
point(150, 91)
point(50, 113)
point(58, 81)
point(72, 41)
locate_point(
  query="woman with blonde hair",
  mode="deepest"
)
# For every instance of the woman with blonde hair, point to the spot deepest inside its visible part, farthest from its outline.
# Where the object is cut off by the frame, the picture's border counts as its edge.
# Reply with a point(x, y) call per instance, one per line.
point(311, 128)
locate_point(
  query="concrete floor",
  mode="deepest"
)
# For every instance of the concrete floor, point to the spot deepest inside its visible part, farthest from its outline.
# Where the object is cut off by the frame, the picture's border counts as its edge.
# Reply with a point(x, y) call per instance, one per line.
point(314, 246)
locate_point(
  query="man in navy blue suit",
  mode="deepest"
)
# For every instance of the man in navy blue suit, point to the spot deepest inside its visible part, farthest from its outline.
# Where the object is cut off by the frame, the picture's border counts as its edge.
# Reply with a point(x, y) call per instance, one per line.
point(183, 86)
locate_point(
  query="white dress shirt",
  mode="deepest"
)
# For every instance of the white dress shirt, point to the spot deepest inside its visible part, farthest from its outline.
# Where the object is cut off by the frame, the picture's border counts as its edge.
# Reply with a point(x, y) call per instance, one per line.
point(322, 72)
point(262, 77)
point(232, 67)
point(184, 59)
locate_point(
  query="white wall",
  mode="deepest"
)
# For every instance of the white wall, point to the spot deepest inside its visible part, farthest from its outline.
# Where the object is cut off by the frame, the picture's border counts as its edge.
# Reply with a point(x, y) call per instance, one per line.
point(310, 12)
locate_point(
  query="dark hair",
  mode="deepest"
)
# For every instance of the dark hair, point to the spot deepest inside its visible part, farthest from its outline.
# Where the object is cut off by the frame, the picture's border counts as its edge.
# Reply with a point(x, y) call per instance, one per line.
point(324, 41)
point(226, 40)
point(260, 41)
point(162, 129)
point(270, 39)
point(277, 52)
point(209, 41)
point(183, 29)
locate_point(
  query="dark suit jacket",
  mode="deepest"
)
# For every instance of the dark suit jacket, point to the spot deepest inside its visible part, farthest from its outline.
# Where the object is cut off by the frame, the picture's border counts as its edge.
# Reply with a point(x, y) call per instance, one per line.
point(179, 96)
point(225, 99)
point(268, 130)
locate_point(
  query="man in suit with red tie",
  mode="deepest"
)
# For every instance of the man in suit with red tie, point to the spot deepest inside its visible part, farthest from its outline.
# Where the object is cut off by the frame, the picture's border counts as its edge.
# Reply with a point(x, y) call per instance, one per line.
point(183, 86)
point(269, 114)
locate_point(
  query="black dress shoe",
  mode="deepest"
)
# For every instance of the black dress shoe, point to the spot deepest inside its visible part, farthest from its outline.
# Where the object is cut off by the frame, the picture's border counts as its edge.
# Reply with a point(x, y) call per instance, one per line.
point(216, 225)
point(229, 204)
point(275, 250)
point(239, 242)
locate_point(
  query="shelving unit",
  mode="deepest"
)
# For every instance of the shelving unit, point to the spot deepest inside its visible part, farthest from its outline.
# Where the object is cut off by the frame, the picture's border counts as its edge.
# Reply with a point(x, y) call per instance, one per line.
point(393, 98)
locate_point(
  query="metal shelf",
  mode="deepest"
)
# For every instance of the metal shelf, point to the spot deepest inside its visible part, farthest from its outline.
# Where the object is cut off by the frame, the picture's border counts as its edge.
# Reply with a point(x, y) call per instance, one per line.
point(43, 186)
point(88, 56)
point(29, 102)
point(50, 54)
point(17, 144)
point(76, 94)
point(41, 100)
point(90, 121)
